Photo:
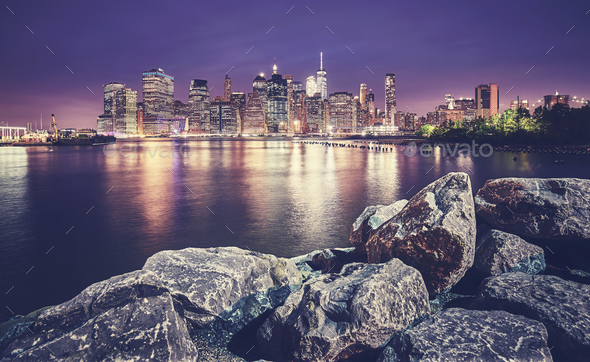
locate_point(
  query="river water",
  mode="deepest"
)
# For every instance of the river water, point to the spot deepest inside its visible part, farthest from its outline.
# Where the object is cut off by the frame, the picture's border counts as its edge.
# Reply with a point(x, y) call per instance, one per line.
point(72, 216)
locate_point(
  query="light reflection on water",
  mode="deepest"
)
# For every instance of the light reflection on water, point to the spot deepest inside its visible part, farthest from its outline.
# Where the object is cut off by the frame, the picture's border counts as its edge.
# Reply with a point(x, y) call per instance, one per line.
point(269, 195)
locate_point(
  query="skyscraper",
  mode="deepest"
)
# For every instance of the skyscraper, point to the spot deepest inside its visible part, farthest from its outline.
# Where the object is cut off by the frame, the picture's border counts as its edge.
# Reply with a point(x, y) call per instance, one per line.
point(277, 118)
point(315, 114)
point(487, 99)
point(198, 105)
point(322, 80)
point(371, 103)
point(310, 86)
point(390, 101)
point(126, 112)
point(238, 100)
point(551, 100)
point(221, 116)
point(227, 88)
point(290, 102)
point(341, 111)
point(363, 96)
point(106, 121)
point(158, 94)
point(253, 119)
point(259, 85)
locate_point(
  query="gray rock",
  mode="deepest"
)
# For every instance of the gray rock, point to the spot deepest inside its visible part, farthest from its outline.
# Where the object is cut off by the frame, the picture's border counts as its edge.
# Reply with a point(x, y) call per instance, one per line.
point(463, 335)
point(337, 315)
point(225, 288)
point(499, 252)
point(554, 208)
point(562, 306)
point(435, 233)
point(128, 317)
point(370, 220)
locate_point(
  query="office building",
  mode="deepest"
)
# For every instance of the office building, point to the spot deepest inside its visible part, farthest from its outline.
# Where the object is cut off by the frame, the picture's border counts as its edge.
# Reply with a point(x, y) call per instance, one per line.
point(158, 94)
point(259, 85)
point(139, 117)
point(310, 86)
point(126, 112)
point(519, 103)
point(179, 109)
point(341, 112)
point(487, 100)
point(277, 117)
point(253, 119)
point(290, 102)
point(551, 100)
point(363, 96)
point(371, 104)
point(222, 113)
point(198, 107)
point(238, 100)
point(315, 118)
point(390, 100)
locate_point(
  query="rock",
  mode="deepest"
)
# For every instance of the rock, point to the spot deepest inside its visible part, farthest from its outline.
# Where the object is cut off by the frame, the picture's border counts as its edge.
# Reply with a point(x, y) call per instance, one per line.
point(435, 233)
point(562, 306)
point(337, 315)
point(371, 218)
point(464, 335)
point(225, 288)
point(499, 252)
point(128, 317)
point(557, 208)
point(327, 260)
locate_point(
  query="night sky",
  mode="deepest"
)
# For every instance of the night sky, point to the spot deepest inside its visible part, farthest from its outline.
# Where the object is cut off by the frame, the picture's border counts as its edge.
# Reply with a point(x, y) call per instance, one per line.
point(434, 47)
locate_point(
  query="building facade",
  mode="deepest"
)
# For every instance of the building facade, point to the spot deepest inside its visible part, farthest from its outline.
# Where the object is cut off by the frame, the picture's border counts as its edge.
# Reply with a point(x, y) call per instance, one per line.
point(390, 100)
point(277, 116)
point(315, 119)
point(126, 112)
point(341, 109)
point(487, 100)
point(551, 100)
point(253, 120)
point(158, 94)
point(198, 107)
point(322, 80)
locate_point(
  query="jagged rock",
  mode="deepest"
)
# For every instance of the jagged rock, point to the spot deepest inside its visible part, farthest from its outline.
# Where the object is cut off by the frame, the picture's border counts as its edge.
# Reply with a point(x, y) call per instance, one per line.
point(337, 315)
point(499, 252)
point(535, 207)
point(463, 335)
point(370, 219)
point(326, 260)
point(128, 317)
point(562, 306)
point(225, 288)
point(435, 233)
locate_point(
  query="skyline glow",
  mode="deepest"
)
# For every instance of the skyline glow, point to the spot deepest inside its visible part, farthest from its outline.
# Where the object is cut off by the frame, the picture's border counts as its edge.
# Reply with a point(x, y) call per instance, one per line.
point(432, 48)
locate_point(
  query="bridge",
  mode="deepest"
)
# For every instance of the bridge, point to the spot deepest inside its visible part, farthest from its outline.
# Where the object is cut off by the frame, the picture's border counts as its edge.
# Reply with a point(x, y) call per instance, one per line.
point(11, 134)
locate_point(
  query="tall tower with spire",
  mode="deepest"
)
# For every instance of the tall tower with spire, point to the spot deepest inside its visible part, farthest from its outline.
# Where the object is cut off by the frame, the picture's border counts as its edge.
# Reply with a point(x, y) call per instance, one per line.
point(322, 80)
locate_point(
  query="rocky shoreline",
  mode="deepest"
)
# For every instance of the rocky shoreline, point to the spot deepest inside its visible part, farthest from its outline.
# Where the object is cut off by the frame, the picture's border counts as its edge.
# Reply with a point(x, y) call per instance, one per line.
point(446, 275)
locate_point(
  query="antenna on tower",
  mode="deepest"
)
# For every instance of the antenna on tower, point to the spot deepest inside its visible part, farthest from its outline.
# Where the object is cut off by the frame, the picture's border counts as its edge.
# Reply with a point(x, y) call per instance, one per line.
point(321, 60)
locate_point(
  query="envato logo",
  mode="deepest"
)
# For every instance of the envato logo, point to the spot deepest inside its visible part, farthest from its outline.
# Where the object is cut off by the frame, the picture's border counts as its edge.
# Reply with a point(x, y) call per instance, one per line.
point(463, 149)
point(163, 151)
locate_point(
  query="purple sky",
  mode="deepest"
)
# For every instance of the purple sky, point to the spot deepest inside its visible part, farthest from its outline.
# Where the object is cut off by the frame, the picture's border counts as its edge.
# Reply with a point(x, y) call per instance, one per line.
point(433, 47)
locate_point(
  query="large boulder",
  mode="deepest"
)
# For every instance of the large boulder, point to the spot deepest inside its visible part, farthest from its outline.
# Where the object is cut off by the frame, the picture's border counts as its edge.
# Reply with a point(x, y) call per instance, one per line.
point(499, 252)
point(370, 220)
point(225, 288)
point(435, 233)
point(337, 315)
point(540, 208)
point(562, 306)
point(464, 335)
point(129, 317)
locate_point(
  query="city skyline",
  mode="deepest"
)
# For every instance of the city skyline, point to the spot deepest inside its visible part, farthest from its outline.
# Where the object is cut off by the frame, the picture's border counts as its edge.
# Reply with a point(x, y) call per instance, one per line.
point(531, 53)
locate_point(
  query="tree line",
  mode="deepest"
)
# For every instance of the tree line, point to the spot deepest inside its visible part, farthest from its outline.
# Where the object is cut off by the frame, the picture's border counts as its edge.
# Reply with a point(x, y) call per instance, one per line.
point(560, 124)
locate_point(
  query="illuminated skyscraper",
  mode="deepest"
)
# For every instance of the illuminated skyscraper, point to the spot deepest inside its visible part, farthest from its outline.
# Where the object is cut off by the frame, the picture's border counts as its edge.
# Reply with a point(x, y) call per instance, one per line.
point(158, 94)
point(390, 102)
point(106, 121)
point(310, 86)
point(126, 112)
point(221, 113)
point(315, 114)
point(363, 96)
point(341, 112)
point(227, 88)
point(198, 104)
point(371, 103)
point(238, 100)
point(259, 85)
point(253, 119)
point(322, 80)
point(487, 99)
point(290, 101)
point(277, 117)
point(297, 86)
